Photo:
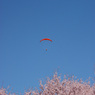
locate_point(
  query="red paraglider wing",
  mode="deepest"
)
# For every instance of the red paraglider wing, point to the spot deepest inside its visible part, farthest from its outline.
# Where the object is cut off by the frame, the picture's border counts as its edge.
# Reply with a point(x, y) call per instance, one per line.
point(46, 39)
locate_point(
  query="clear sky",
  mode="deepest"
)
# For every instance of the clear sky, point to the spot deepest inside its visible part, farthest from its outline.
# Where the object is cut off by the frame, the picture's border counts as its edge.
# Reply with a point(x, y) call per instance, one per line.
point(23, 59)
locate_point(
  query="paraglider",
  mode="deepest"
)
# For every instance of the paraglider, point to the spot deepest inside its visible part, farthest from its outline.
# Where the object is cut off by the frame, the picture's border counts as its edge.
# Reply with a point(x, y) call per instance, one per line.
point(45, 39)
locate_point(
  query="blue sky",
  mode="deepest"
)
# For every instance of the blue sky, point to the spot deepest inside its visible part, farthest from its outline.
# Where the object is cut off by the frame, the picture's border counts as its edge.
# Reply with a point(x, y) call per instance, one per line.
point(69, 23)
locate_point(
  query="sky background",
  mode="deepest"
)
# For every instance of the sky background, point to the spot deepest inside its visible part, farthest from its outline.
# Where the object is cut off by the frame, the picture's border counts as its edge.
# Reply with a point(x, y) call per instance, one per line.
point(23, 59)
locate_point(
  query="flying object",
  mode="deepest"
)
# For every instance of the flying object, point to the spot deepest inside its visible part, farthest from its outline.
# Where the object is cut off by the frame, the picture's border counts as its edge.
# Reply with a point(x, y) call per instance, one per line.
point(45, 39)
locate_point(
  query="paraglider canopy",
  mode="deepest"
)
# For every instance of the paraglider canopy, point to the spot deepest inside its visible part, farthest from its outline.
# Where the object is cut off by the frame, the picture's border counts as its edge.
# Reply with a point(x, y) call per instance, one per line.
point(46, 39)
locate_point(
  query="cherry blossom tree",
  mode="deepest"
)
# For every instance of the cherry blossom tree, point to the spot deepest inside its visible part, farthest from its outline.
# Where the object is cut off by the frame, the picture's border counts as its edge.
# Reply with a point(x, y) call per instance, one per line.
point(56, 86)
